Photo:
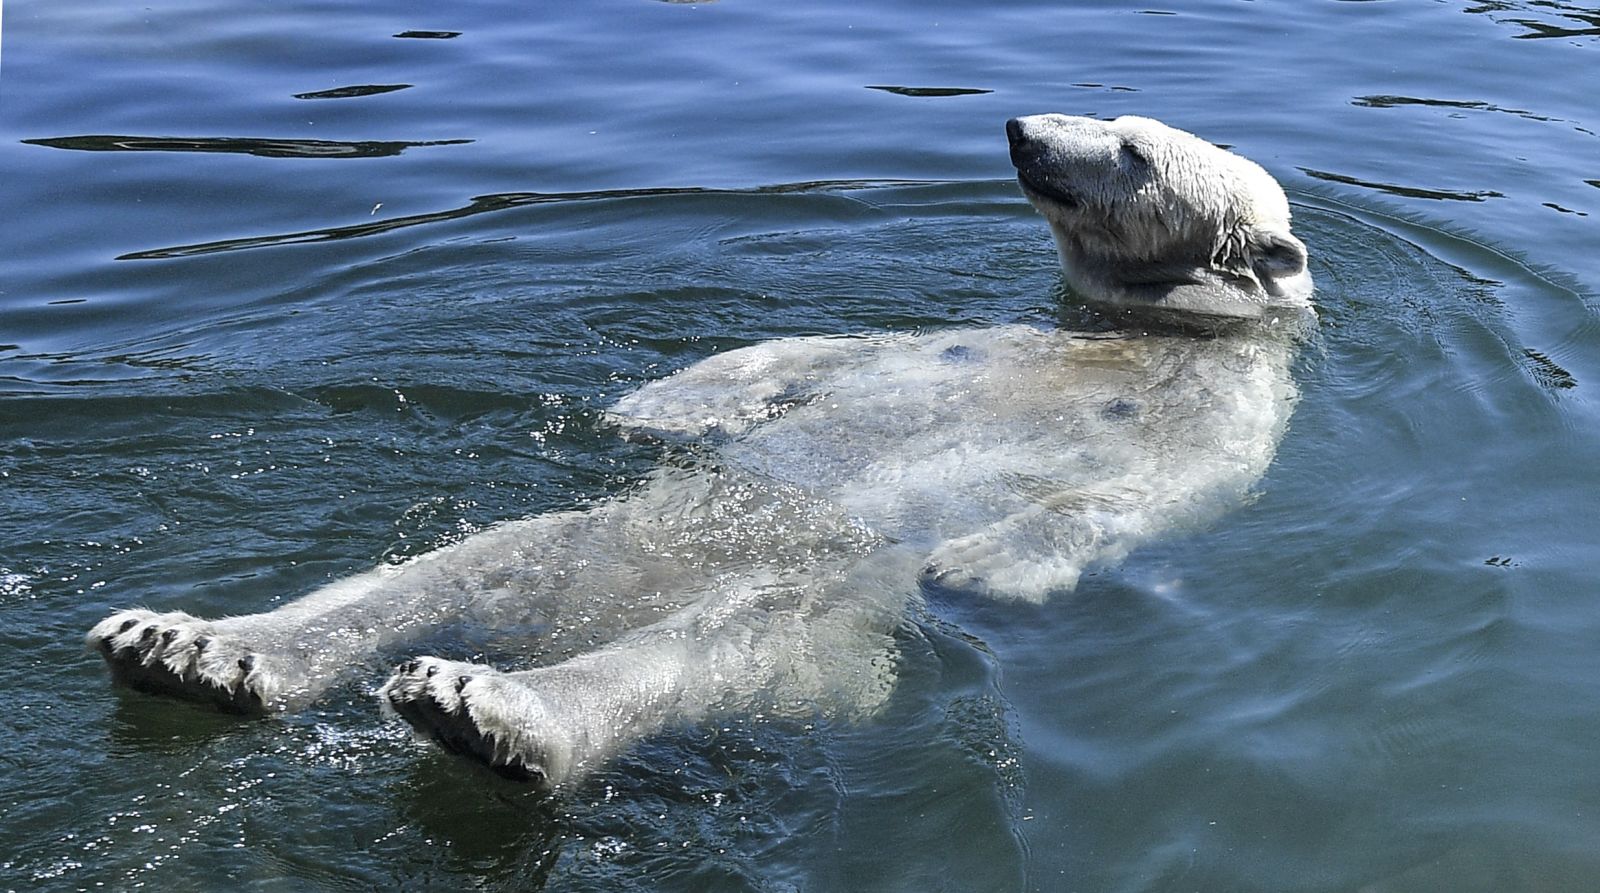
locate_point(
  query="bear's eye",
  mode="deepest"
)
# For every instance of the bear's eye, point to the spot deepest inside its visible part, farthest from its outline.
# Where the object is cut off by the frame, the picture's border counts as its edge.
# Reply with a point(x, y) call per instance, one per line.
point(1135, 155)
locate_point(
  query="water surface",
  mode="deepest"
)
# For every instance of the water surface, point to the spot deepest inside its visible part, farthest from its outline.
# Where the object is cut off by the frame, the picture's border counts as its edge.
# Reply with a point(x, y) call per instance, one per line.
point(289, 290)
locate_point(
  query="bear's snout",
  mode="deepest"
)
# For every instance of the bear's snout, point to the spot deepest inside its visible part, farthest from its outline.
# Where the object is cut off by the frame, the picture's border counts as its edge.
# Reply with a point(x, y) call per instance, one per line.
point(1036, 153)
point(1024, 140)
point(1015, 134)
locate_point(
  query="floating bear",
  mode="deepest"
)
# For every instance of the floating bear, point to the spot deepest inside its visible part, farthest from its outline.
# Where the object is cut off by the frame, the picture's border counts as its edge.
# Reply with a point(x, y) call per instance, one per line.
point(812, 489)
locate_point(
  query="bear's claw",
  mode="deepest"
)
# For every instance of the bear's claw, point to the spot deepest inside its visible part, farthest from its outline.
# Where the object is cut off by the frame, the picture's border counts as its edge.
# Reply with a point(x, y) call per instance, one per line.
point(178, 655)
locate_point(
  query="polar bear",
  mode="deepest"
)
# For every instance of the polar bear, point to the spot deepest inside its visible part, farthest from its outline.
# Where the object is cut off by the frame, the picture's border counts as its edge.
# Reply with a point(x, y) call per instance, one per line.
point(812, 489)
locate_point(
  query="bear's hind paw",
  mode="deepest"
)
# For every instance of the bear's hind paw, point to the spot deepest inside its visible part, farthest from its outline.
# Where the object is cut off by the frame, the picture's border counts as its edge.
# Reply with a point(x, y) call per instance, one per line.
point(181, 656)
point(474, 711)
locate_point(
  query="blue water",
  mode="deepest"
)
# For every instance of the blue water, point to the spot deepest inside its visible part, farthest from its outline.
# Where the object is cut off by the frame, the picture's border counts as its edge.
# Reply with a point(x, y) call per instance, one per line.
point(292, 289)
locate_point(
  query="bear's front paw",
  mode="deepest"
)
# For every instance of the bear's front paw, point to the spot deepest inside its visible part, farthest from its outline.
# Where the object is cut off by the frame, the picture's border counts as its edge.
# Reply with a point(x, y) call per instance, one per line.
point(182, 656)
point(951, 578)
point(965, 565)
point(479, 713)
point(984, 565)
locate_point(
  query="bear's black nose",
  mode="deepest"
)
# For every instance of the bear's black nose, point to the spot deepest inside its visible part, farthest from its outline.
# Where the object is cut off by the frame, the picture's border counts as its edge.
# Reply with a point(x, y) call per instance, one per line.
point(1014, 131)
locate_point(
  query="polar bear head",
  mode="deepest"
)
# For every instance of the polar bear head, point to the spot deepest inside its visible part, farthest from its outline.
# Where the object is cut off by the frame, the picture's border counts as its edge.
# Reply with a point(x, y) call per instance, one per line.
point(1148, 216)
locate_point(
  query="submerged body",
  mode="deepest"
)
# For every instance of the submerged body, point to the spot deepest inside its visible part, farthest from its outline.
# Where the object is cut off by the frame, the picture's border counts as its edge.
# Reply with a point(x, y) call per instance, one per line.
point(812, 487)
point(1010, 458)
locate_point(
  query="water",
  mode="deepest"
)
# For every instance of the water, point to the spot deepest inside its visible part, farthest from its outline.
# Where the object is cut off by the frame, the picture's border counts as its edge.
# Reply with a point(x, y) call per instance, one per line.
point(250, 342)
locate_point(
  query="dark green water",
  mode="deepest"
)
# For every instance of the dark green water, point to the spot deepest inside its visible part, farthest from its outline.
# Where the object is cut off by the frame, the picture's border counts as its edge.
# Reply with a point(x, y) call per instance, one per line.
point(287, 290)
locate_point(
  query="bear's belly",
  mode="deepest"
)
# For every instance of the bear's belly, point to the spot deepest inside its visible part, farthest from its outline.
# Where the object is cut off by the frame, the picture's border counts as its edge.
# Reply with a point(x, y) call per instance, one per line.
point(935, 437)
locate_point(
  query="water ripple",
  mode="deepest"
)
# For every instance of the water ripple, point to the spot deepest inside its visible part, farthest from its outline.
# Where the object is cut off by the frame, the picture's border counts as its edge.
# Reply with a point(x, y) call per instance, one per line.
point(352, 91)
point(498, 202)
point(929, 91)
point(260, 147)
point(1404, 191)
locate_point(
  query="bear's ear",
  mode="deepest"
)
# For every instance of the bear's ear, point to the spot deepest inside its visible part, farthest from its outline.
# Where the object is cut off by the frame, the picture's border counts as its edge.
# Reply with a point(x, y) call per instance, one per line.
point(1275, 254)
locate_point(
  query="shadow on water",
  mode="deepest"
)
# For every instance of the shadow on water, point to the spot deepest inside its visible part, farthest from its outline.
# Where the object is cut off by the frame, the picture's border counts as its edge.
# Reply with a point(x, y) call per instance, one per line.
point(145, 723)
point(261, 147)
point(502, 830)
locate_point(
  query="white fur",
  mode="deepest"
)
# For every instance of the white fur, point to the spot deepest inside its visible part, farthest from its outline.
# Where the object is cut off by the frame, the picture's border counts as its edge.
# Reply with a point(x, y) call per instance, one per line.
point(821, 483)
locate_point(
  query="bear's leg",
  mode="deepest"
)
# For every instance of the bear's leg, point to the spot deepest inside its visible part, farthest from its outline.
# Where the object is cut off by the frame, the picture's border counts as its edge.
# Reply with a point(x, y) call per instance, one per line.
point(282, 659)
point(818, 641)
point(500, 577)
point(552, 724)
point(276, 660)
